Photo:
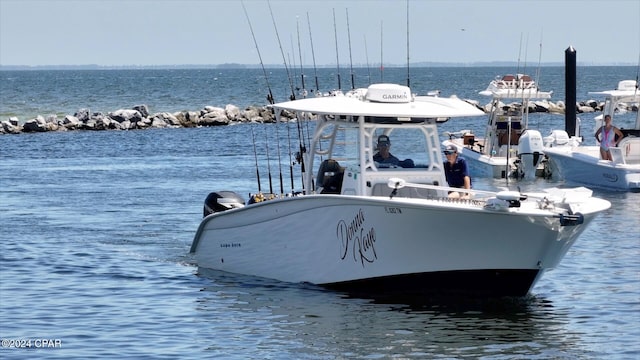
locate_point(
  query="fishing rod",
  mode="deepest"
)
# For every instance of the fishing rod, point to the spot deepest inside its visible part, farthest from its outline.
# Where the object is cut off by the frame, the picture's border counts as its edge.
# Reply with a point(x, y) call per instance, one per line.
point(408, 77)
point(294, 68)
point(353, 85)
point(293, 95)
point(279, 158)
point(290, 159)
point(381, 47)
point(637, 89)
point(538, 72)
point(270, 96)
point(301, 151)
point(335, 33)
point(255, 155)
point(304, 88)
point(638, 74)
point(366, 54)
point(313, 55)
point(266, 143)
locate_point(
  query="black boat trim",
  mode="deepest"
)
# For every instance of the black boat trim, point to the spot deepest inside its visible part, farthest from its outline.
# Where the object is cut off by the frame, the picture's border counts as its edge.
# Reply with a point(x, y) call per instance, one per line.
point(480, 283)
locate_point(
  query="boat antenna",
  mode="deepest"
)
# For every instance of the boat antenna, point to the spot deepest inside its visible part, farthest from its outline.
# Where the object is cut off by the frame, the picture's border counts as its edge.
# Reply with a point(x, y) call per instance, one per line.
point(293, 94)
point(353, 86)
point(519, 53)
point(524, 110)
point(313, 55)
point(304, 89)
point(270, 95)
point(381, 62)
point(408, 81)
point(366, 54)
point(537, 87)
point(539, 62)
point(335, 32)
point(526, 50)
point(255, 155)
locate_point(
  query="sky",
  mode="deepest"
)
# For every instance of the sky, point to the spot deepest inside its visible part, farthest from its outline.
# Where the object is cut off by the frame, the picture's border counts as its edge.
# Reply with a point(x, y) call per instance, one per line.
point(211, 32)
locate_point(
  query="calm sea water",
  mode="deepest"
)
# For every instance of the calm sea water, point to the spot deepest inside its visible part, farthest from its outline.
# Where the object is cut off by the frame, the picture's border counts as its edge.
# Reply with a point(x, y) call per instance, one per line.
point(97, 228)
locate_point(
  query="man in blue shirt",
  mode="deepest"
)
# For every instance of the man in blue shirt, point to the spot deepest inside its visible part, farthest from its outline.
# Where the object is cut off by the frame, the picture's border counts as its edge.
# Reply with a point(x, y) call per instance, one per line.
point(456, 172)
point(383, 156)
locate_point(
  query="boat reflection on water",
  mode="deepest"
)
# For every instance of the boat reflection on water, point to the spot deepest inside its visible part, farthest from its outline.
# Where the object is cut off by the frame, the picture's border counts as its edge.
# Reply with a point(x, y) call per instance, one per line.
point(265, 313)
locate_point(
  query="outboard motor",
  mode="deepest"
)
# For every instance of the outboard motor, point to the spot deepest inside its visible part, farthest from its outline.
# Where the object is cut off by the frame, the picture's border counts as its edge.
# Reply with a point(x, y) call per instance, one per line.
point(530, 153)
point(222, 201)
point(557, 138)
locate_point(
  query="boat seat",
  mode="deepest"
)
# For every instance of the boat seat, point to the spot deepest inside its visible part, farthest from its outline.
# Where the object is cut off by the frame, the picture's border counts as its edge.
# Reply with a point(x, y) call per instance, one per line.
point(503, 125)
point(630, 147)
point(507, 81)
point(508, 78)
point(616, 155)
point(330, 175)
point(526, 78)
point(503, 137)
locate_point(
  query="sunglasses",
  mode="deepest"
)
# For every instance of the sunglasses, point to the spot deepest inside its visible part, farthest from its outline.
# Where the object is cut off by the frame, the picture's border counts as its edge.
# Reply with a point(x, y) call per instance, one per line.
point(449, 152)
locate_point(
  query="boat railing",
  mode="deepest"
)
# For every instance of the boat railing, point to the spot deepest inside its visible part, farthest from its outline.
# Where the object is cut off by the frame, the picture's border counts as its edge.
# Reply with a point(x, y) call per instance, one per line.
point(374, 182)
point(515, 82)
point(399, 183)
point(382, 189)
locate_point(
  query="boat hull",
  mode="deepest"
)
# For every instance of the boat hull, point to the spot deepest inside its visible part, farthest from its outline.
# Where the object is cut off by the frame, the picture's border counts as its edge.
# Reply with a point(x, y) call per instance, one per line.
point(483, 165)
point(583, 165)
point(399, 245)
point(486, 166)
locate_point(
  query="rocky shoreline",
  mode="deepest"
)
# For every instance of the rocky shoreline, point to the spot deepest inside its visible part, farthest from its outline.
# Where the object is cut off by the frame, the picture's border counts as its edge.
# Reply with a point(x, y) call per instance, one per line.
point(138, 117)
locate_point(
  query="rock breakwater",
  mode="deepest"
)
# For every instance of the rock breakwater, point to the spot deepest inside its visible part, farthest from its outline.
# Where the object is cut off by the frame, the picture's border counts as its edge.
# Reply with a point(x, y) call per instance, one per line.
point(138, 117)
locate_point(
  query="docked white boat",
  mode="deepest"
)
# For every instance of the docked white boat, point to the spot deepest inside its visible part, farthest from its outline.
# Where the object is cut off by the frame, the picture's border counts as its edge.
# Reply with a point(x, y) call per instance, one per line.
point(582, 164)
point(365, 227)
point(509, 147)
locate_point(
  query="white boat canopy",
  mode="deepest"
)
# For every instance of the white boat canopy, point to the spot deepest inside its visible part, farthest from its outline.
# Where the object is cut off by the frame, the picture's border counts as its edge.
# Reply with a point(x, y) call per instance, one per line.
point(427, 107)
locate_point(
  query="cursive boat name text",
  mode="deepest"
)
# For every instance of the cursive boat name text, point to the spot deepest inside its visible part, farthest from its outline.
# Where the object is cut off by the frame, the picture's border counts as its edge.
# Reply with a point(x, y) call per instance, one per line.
point(610, 176)
point(357, 238)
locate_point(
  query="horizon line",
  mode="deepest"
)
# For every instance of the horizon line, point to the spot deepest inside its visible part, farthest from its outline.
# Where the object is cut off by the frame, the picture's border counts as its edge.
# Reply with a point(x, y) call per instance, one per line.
point(277, 66)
